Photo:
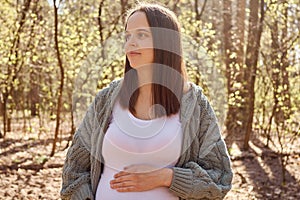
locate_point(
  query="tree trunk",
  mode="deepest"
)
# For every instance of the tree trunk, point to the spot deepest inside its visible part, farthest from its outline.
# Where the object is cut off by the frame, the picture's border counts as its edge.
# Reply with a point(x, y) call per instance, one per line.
point(280, 63)
point(5, 97)
point(59, 100)
point(196, 6)
point(240, 35)
point(285, 94)
point(1, 113)
point(252, 52)
point(234, 61)
point(34, 97)
point(13, 69)
point(280, 80)
point(228, 49)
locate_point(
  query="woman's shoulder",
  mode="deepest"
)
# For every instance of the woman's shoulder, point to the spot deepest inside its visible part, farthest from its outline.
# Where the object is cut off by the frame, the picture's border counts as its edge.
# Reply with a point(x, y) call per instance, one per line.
point(199, 96)
point(109, 89)
point(107, 95)
point(195, 92)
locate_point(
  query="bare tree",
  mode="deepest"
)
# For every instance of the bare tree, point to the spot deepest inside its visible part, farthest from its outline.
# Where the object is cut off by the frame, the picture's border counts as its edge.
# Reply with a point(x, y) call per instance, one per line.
point(14, 68)
point(61, 86)
point(241, 65)
point(252, 53)
point(232, 69)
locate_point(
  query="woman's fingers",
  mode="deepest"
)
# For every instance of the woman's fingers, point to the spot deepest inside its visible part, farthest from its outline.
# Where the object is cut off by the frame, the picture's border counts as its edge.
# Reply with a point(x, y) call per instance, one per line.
point(126, 189)
point(121, 173)
point(137, 178)
point(115, 185)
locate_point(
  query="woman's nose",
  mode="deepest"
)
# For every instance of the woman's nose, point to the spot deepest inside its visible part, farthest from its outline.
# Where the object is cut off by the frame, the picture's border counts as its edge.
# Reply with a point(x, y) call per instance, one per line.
point(131, 41)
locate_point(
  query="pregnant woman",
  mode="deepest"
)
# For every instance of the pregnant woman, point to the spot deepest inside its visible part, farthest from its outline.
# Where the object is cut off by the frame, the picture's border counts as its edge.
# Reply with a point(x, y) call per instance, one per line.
point(151, 135)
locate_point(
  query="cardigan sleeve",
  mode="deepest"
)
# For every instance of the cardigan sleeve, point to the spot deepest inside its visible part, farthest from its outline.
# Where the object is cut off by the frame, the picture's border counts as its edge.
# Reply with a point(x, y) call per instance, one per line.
point(76, 180)
point(209, 175)
point(76, 176)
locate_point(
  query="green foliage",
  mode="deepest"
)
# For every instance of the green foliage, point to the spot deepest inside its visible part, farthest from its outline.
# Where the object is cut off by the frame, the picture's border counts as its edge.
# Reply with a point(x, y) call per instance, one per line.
point(93, 55)
point(278, 83)
point(201, 48)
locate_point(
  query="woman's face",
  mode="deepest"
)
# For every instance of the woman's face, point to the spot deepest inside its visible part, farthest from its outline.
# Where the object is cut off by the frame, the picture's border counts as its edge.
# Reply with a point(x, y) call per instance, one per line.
point(139, 42)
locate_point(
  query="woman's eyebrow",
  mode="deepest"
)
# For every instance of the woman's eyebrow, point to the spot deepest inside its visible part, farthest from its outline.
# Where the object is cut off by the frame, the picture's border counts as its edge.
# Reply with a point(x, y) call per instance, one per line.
point(139, 29)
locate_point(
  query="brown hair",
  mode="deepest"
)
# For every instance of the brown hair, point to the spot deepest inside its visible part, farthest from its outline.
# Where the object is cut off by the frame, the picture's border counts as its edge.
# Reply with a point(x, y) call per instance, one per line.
point(167, 85)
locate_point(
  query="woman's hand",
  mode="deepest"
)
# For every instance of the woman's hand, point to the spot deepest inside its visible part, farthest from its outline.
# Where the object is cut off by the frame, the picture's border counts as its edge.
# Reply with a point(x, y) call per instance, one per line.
point(137, 178)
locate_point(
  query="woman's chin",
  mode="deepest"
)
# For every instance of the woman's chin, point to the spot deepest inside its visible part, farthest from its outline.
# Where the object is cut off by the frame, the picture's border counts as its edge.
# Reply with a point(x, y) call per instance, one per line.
point(139, 65)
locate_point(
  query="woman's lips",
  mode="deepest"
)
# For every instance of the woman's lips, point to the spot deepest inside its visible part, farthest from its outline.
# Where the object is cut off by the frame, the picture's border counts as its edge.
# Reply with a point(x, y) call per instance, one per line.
point(133, 53)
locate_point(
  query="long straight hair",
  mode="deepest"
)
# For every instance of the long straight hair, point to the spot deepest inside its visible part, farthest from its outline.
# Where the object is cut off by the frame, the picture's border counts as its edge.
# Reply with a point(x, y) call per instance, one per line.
point(169, 74)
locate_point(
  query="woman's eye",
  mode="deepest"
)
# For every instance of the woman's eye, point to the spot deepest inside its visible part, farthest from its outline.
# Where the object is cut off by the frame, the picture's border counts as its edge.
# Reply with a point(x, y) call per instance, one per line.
point(142, 35)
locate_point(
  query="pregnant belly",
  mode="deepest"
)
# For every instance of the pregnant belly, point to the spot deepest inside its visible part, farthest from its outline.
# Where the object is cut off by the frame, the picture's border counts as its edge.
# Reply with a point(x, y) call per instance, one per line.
point(104, 192)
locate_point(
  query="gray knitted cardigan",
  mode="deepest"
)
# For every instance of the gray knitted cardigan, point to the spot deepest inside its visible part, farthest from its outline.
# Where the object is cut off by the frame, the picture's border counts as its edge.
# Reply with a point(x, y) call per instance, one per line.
point(203, 170)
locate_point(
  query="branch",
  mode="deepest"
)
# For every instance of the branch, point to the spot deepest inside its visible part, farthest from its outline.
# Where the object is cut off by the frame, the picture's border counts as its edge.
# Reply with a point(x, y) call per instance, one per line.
point(199, 15)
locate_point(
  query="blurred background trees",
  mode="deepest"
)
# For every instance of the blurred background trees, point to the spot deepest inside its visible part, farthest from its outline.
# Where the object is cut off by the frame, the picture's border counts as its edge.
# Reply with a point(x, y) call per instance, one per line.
point(244, 53)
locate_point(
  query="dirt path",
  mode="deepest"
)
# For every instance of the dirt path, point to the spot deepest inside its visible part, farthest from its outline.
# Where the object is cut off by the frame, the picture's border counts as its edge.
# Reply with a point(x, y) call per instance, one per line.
point(27, 173)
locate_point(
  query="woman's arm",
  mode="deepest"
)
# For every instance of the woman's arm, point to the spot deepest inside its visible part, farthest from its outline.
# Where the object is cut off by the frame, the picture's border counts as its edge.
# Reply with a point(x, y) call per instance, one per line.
point(208, 174)
point(76, 177)
point(76, 180)
point(209, 178)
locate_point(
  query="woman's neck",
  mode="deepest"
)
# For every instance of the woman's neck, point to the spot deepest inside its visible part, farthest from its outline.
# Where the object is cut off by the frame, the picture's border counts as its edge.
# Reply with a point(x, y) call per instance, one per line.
point(145, 92)
point(144, 74)
point(145, 82)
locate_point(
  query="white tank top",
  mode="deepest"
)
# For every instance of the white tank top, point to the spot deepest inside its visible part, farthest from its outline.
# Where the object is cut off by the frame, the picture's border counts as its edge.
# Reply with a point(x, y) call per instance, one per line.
point(129, 141)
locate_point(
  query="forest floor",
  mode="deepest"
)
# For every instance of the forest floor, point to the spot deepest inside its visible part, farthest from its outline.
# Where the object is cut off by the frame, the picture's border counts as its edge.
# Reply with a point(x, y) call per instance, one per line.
point(27, 172)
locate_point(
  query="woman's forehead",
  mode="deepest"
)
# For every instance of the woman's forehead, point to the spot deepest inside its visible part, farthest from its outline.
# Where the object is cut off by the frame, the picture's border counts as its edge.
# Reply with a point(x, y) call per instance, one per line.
point(137, 20)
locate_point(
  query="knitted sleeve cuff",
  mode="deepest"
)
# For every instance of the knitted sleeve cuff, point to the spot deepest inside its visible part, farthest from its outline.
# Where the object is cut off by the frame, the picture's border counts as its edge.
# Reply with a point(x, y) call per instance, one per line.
point(182, 181)
point(83, 193)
